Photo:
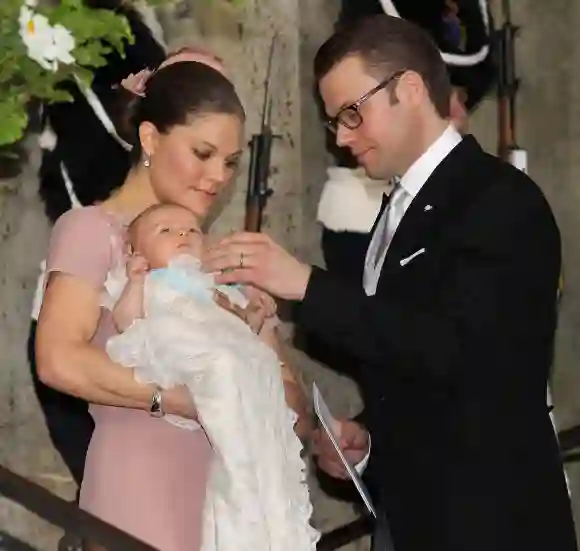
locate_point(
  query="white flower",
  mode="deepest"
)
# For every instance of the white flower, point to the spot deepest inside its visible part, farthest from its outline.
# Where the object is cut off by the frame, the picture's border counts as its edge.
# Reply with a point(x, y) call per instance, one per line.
point(45, 44)
point(63, 43)
point(31, 3)
point(36, 34)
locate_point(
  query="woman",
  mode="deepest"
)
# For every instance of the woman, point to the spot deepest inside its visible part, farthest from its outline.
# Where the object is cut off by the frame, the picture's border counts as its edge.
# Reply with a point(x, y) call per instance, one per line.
point(76, 137)
point(142, 474)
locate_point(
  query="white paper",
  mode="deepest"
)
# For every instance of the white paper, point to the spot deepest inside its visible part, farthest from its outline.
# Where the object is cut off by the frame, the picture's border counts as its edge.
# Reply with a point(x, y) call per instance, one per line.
point(329, 424)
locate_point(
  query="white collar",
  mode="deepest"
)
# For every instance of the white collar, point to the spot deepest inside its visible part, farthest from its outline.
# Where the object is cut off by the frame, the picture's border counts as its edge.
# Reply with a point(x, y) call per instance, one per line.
point(420, 171)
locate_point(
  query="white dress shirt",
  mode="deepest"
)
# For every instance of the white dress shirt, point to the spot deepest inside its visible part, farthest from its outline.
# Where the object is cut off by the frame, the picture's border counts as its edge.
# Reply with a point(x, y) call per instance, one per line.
point(410, 185)
point(404, 193)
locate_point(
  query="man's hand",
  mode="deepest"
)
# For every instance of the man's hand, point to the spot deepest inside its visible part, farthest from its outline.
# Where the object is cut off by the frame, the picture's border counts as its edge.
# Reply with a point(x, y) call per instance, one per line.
point(354, 442)
point(253, 258)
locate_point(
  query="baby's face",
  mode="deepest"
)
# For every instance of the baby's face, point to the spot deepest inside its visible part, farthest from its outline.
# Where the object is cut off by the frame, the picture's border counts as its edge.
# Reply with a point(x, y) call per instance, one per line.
point(166, 233)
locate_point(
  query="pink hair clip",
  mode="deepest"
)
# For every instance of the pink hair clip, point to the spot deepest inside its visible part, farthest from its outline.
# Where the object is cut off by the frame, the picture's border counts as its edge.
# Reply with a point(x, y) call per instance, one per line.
point(136, 83)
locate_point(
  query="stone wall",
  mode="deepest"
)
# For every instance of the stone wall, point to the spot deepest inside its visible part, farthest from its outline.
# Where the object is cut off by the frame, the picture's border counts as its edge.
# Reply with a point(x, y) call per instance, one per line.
point(24, 444)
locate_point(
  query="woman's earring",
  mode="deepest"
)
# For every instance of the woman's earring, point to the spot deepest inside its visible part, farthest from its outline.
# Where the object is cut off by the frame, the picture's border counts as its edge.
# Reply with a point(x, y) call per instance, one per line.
point(147, 161)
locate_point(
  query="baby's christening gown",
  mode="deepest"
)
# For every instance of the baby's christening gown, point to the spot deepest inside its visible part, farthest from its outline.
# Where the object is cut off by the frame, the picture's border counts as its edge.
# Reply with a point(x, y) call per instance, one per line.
point(257, 498)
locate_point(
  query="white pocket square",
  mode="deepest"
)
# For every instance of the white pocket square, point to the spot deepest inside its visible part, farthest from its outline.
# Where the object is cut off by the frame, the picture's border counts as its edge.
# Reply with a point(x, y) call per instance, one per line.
point(408, 259)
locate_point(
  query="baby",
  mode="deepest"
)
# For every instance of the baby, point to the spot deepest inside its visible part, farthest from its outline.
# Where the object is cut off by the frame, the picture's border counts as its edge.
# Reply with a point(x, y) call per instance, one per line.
point(178, 328)
point(158, 237)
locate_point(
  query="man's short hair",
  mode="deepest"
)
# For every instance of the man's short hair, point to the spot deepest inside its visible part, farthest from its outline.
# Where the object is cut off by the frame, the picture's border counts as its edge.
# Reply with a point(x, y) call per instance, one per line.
point(387, 45)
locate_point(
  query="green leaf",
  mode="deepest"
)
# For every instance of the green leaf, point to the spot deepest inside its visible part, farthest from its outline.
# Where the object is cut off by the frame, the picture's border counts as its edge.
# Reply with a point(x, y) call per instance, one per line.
point(97, 32)
point(14, 120)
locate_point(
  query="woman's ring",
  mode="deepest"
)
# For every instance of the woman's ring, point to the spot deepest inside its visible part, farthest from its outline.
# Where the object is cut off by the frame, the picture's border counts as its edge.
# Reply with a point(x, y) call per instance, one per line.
point(241, 260)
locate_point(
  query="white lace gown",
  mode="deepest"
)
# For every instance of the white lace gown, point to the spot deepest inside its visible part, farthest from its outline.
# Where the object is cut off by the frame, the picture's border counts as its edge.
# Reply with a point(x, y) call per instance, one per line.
point(257, 498)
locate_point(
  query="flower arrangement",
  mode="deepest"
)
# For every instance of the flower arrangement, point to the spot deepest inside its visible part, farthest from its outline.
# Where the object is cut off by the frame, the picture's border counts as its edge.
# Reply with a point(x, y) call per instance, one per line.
point(44, 45)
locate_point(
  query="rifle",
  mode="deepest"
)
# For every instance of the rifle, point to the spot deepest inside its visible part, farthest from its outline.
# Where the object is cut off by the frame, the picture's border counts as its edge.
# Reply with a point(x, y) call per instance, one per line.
point(260, 149)
point(507, 88)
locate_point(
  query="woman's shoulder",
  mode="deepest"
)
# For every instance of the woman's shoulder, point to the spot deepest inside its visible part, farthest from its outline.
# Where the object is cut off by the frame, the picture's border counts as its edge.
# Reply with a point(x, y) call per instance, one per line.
point(85, 242)
point(91, 219)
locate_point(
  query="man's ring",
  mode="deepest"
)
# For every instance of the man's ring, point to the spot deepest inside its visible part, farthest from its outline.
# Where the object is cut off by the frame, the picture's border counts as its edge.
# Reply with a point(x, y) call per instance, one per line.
point(241, 260)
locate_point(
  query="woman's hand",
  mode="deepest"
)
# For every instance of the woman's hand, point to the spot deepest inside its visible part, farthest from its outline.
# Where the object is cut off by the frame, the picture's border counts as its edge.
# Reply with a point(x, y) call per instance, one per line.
point(178, 401)
point(261, 308)
point(261, 300)
point(270, 335)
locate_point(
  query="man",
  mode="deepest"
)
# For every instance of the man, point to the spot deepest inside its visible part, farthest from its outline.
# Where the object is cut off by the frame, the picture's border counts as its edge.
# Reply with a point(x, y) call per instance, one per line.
point(349, 200)
point(454, 320)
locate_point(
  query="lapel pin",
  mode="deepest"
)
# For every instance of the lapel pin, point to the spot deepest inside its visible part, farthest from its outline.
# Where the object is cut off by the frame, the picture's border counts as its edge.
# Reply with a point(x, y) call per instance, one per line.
point(406, 261)
point(428, 207)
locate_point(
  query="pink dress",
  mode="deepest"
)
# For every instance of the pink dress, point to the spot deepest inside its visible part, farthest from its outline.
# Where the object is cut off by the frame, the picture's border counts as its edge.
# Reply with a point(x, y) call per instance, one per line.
point(142, 475)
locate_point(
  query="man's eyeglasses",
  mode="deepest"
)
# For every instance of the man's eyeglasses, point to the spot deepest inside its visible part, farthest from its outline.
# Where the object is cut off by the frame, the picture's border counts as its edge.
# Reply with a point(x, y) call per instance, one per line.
point(350, 116)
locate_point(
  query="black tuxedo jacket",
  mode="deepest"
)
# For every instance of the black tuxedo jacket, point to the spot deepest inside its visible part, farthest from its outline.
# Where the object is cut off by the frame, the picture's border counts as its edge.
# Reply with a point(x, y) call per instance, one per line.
point(455, 350)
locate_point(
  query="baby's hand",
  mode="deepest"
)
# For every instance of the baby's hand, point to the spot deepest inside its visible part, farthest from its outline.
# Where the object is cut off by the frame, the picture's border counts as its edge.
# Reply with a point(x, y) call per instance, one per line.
point(137, 268)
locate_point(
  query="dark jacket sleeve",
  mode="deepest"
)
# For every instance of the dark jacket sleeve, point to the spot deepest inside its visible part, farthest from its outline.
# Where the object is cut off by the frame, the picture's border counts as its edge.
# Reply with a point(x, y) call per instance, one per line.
point(502, 268)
